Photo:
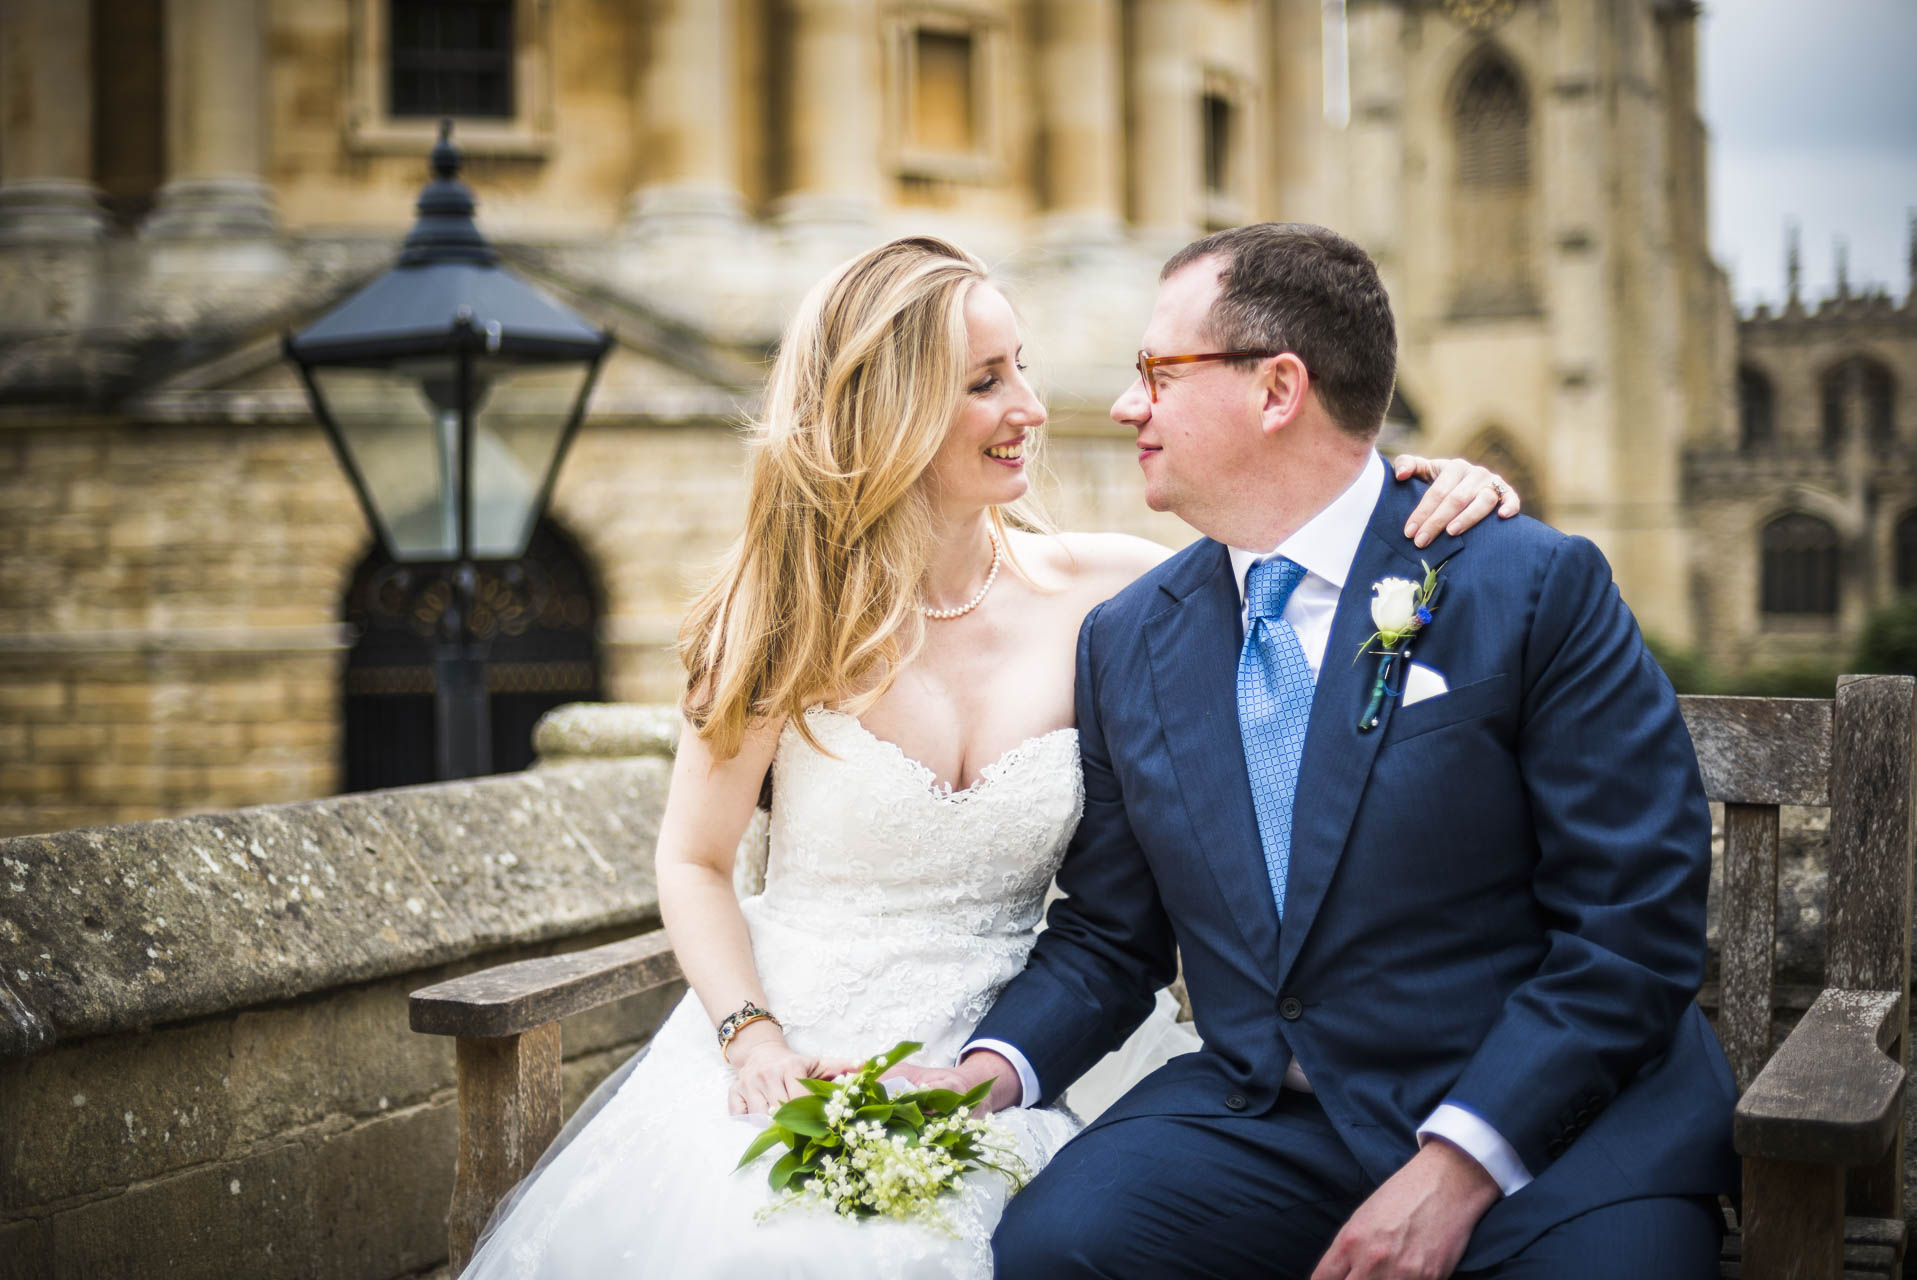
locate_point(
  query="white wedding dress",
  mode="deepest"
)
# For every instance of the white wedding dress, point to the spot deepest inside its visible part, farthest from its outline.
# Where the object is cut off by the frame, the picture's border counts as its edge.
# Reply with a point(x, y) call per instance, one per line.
point(894, 909)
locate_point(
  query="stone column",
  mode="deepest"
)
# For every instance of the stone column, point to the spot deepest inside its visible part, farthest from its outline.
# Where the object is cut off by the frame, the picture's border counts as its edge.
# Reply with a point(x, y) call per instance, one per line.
point(46, 150)
point(833, 111)
point(687, 123)
point(1167, 145)
point(1081, 105)
point(215, 130)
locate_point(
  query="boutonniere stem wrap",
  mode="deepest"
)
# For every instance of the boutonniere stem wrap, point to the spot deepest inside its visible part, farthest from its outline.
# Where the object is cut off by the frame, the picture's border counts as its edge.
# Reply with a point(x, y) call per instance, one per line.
point(1400, 609)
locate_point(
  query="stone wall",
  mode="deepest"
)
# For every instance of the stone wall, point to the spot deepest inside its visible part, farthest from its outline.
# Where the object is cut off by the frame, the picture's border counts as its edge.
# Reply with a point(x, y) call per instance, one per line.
point(205, 1066)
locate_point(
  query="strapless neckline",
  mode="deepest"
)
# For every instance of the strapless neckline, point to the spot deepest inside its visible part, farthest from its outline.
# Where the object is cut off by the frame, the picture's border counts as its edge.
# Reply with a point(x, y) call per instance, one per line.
point(938, 788)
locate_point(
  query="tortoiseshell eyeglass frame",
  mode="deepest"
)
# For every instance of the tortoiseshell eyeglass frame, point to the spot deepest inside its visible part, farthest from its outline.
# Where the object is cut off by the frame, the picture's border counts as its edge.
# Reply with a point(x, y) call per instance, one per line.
point(1148, 364)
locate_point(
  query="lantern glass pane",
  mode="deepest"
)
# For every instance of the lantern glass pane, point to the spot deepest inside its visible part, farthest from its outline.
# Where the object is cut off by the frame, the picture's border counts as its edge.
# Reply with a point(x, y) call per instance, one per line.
point(405, 448)
point(520, 425)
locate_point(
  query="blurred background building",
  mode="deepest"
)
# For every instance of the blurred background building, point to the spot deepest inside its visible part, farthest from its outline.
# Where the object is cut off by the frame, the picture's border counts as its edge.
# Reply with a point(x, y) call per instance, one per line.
point(193, 613)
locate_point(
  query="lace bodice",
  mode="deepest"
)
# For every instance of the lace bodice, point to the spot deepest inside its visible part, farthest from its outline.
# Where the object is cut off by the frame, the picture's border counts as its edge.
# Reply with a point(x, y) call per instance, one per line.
point(914, 901)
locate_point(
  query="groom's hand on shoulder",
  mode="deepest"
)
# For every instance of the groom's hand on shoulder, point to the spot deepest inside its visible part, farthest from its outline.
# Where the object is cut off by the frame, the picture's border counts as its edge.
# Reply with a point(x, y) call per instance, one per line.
point(977, 1067)
point(1417, 1223)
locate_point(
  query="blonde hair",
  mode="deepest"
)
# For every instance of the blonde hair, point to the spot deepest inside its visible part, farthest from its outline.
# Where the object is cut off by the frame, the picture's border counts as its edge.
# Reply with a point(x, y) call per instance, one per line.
point(818, 598)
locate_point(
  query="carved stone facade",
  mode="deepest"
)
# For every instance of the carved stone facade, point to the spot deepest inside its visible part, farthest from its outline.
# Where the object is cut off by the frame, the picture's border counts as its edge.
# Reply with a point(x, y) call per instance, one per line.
point(1804, 497)
point(1530, 177)
point(181, 181)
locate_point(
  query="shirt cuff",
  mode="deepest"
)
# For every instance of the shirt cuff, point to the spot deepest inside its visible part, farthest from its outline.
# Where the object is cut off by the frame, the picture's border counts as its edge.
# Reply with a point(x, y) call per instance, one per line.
point(1027, 1078)
point(1472, 1134)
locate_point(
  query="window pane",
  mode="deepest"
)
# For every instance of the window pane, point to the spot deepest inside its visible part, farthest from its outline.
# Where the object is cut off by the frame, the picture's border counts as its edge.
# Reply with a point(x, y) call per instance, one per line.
point(1800, 566)
point(452, 57)
point(1217, 127)
point(942, 108)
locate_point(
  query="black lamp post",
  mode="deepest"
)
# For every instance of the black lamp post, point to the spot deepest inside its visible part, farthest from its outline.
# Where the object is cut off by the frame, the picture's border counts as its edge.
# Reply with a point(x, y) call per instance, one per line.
point(450, 389)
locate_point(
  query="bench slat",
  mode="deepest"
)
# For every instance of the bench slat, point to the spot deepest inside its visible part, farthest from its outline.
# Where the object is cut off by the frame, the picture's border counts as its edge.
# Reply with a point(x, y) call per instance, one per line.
point(514, 998)
point(1761, 750)
point(1748, 937)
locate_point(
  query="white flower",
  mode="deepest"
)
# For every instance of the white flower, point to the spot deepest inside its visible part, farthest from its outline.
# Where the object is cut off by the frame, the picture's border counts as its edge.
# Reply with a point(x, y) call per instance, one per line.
point(1394, 607)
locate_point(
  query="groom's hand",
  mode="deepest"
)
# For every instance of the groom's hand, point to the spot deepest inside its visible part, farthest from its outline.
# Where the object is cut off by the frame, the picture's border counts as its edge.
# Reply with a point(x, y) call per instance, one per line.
point(1415, 1225)
point(977, 1067)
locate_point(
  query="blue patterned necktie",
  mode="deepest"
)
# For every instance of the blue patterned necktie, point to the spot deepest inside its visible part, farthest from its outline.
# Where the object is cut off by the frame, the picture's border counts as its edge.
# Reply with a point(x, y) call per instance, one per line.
point(1274, 707)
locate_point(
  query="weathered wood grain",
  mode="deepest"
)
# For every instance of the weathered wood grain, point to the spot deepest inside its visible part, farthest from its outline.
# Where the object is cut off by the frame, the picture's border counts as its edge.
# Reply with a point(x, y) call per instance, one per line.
point(1793, 1221)
point(509, 1104)
point(514, 998)
point(1748, 937)
point(1869, 905)
point(1761, 750)
point(1829, 1094)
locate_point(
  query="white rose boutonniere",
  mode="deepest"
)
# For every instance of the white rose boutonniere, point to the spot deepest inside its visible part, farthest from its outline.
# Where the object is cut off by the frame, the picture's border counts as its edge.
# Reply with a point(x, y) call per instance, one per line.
point(1400, 609)
point(1395, 609)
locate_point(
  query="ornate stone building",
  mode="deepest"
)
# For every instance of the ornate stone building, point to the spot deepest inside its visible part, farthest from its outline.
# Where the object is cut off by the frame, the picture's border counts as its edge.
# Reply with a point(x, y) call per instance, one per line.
point(192, 614)
point(1804, 498)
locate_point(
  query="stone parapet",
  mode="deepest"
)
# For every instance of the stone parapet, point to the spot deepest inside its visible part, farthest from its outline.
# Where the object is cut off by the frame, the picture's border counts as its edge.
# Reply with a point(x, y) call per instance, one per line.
point(205, 1063)
point(107, 930)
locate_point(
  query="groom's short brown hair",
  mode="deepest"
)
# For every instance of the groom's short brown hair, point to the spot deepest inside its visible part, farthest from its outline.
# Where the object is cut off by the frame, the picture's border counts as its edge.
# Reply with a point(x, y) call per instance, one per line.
point(1292, 286)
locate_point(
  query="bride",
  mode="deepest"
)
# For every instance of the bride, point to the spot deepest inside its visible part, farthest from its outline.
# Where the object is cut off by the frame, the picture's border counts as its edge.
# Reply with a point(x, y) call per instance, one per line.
point(891, 644)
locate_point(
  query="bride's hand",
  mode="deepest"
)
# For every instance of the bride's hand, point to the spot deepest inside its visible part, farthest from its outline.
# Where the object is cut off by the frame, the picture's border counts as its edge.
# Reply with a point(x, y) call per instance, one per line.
point(769, 1075)
point(1461, 494)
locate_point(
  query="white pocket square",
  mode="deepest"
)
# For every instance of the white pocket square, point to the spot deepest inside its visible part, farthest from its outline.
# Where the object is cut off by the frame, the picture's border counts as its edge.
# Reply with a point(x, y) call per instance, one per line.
point(1421, 682)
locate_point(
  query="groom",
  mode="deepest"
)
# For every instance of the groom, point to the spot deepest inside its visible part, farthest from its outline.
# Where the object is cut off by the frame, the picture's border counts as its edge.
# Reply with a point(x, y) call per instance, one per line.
point(1443, 963)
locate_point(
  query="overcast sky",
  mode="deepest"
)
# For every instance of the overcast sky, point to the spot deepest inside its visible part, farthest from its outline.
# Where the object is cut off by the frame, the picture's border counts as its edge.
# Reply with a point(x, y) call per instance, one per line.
point(1812, 110)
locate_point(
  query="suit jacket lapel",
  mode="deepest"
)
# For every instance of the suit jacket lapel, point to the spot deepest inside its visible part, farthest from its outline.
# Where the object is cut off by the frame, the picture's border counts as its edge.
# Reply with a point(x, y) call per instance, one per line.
point(1194, 648)
point(1337, 757)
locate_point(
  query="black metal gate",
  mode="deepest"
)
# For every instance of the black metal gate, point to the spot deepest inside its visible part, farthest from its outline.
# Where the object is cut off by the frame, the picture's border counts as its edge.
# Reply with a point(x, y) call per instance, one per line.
point(538, 618)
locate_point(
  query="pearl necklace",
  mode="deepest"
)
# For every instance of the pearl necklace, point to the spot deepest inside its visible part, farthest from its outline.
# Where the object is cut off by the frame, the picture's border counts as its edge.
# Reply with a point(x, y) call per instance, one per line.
point(943, 615)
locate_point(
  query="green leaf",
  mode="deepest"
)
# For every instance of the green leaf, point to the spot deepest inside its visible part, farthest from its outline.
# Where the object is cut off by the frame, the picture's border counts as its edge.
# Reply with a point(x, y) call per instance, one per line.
point(900, 1052)
point(877, 1111)
point(804, 1115)
point(772, 1136)
point(937, 1101)
point(782, 1171)
point(972, 1096)
point(820, 1088)
point(910, 1113)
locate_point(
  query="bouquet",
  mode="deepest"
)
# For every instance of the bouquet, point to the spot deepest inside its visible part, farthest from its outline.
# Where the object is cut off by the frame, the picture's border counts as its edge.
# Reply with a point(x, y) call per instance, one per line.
point(861, 1151)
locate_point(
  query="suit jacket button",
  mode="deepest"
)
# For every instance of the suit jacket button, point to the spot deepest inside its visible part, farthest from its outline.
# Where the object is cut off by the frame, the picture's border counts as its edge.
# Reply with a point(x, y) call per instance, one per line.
point(1291, 1008)
point(1236, 1101)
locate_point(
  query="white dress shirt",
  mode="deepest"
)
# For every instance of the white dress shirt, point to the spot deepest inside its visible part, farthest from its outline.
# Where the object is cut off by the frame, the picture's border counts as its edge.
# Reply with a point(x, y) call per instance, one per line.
point(1325, 547)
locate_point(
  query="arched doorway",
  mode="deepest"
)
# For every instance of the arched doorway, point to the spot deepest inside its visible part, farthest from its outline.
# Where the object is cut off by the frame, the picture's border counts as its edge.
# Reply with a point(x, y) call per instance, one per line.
point(539, 618)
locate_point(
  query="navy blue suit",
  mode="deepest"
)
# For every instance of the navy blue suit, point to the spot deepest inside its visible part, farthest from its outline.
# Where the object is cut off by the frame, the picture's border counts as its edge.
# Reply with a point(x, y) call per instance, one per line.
point(1495, 898)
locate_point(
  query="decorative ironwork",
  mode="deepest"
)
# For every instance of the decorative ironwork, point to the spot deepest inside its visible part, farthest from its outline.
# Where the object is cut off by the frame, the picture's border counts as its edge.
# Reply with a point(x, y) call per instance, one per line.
point(1479, 15)
point(535, 620)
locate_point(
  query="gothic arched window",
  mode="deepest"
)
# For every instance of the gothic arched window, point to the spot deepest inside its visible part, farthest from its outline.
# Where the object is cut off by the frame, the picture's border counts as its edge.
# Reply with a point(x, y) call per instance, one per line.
point(1491, 205)
point(1800, 565)
point(1905, 550)
point(1859, 396)
point(539, 619)
point(1756, 409)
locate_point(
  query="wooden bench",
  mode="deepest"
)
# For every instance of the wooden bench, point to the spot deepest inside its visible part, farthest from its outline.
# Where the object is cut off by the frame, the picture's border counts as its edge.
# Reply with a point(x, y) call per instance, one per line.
point(1820, 1123)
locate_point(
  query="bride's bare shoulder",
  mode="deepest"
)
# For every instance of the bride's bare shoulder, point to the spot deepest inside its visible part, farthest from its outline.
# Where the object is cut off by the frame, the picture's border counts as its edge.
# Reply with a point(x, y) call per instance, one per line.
point(1099, 563)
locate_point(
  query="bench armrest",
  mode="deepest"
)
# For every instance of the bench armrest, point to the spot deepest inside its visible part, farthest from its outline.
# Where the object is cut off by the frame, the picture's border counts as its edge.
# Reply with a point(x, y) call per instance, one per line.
point(1830, 1094)
point(512, 999)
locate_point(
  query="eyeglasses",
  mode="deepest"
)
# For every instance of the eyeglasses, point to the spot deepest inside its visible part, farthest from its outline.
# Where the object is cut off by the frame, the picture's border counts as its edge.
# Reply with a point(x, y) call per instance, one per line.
point(1147, 366)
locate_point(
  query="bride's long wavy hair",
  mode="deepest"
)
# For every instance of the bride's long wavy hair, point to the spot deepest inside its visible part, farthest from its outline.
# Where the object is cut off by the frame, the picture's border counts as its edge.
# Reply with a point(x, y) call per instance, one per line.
point(817, 600)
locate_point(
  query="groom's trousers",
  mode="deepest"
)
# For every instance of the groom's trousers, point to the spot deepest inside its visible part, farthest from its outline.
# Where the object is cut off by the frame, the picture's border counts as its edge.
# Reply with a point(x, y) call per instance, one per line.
point(1263, 1196)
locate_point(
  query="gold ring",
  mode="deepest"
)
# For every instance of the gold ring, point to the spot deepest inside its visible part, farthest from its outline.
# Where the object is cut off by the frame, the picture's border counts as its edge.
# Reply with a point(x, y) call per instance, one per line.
point(1498, 487)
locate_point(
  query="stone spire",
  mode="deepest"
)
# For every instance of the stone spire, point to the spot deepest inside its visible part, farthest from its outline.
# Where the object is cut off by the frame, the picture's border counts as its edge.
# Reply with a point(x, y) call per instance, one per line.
point(1793, 260)
point(1912, 215)
point(1843, 267)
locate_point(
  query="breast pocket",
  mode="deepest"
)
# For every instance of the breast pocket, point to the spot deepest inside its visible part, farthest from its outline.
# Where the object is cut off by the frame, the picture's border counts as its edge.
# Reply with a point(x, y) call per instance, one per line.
point(1465, 702)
